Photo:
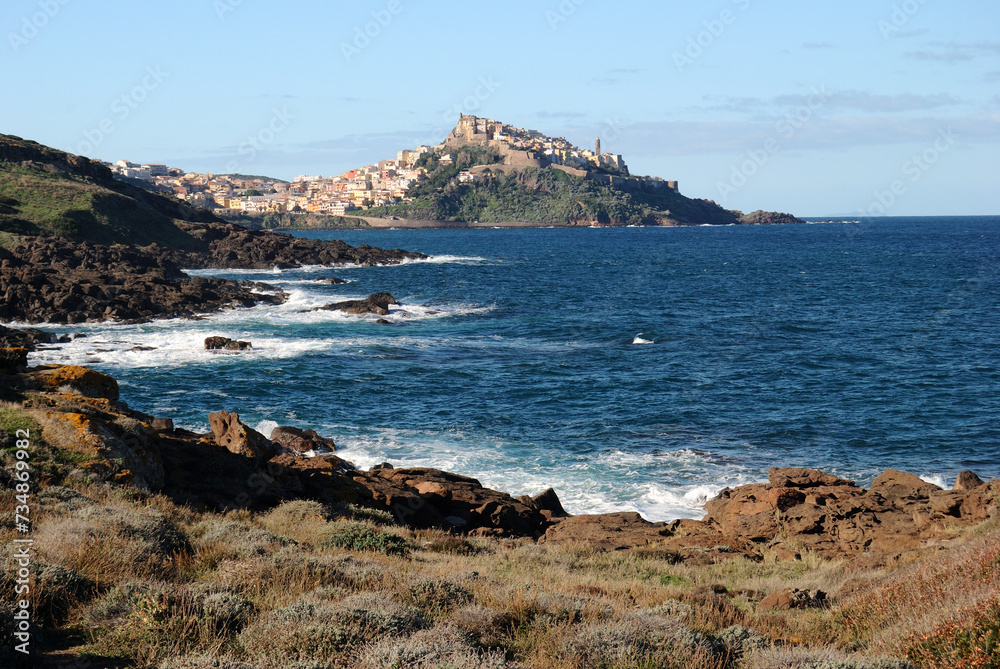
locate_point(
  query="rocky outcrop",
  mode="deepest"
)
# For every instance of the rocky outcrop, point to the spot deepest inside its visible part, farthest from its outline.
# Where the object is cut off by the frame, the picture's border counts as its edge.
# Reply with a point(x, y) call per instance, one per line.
point(834, 517)
point(232, 246)
point(72, 379)
point(761, 217)
point(55, 281)
point(230, 433)
point(301, 441)
point(28, 338)
point(226, 344)
point(783, 600)
point(376, 303)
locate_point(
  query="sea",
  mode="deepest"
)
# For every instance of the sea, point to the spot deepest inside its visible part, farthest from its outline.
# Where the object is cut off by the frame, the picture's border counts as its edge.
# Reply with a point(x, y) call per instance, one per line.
point(630, 369)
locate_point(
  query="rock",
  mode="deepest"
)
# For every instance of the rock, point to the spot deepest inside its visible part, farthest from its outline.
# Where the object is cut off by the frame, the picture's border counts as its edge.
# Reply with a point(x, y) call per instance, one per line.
point(383, 321)
point(302, 441)
point(967, 481)
point(784, 600)
point(607, 531)
point(81, 380)
point(760, 217)
point(333, 280)
point(163, 424)
point(794, 477)
point(240, 439)
point(894, 484)
point(227, 344)
point(547, 502)
point(376, 303)
point(114, 446)
point(13, 360)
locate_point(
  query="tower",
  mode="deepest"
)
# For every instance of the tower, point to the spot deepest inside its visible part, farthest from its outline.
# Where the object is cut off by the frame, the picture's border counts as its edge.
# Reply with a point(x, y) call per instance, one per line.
point(597, 146)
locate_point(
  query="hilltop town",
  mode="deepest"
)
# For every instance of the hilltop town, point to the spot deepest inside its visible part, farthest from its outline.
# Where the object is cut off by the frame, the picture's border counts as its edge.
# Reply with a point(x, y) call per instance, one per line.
point(386, 182)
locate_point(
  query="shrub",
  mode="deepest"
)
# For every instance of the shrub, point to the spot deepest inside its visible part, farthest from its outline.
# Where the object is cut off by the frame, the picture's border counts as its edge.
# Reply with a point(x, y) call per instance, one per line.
point(360, 537)
point(643, 639)
point(57, 590)
point(452, 546)
point(203, 662)
point(327, 632)
point(442, 646)
point(970, 640)
point(817, 658)
point(488, 627)
point(439, 595)
point(61, 499)
point(240, 540)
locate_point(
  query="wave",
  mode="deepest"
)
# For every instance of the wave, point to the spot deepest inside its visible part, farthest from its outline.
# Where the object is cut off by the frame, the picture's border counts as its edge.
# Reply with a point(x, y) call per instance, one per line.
point(639, 339)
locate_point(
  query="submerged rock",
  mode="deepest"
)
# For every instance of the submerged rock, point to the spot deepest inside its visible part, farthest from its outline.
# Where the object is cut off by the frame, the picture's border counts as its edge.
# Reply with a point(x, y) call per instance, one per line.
point(376, 303)
point(226, 344)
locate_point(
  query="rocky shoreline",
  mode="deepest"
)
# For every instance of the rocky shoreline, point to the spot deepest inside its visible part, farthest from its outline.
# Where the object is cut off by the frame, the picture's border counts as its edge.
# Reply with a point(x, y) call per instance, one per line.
point(797, 510)
point(51, 280)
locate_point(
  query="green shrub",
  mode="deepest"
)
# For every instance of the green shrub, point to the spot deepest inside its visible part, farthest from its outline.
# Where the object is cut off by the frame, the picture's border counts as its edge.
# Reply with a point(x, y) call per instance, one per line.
point(442, 646)
point(971, 640)
point(360, 537)
point(439, 595)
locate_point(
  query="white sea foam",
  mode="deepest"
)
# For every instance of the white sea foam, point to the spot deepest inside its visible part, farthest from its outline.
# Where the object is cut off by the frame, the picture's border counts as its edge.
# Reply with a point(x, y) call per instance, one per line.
point(265, 427)
point(936, 479)
point(639, 339)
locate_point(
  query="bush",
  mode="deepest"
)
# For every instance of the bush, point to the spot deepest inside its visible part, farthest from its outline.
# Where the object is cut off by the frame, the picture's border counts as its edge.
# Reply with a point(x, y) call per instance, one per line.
point(971, 640)
point(640, 640)
point(240, 540)
point(488, 627)
point(439, 595)
point(822, 658)
point(58, 590)
point(442, 646)
point(61, 499)
point(327, 632)
point(360, 537)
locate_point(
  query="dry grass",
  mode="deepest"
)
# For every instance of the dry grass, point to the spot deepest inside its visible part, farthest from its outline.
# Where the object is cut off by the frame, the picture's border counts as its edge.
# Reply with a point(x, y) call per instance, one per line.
point(305, 585)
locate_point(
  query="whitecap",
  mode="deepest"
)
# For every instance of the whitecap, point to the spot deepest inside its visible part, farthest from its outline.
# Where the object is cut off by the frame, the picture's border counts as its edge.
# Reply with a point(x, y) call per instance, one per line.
point(639, 339)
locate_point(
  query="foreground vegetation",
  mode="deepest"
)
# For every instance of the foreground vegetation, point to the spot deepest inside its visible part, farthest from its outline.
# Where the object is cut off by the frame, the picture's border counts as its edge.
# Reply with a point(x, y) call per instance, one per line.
point(125, 577)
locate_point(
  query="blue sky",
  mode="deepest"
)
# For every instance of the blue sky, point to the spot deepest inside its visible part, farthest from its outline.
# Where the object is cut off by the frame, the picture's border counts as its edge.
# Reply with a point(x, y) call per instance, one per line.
point(816, 108)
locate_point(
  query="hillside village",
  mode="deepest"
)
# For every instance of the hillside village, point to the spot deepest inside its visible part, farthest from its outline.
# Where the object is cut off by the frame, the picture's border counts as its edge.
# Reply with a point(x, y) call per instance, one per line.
point(380, 184)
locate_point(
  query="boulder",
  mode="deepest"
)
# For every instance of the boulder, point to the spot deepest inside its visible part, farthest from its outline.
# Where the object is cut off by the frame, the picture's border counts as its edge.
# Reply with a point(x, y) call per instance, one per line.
point(895, 484)
point(230, 433)
point(784, 600)
point(376, 303)
point(547, 502)
point(226, 344)
point(967, 481)
point(13, 360)
point(162, 424)
point(72, 378)
point(302, 441)
point(795, 477)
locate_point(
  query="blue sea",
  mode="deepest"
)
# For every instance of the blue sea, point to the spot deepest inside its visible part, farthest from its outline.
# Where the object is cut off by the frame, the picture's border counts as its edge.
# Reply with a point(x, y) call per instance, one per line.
point(629, 368)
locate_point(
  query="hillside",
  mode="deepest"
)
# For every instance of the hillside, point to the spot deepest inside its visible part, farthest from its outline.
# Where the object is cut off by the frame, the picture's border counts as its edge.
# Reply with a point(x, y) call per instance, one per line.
point(44, 191)
point(548, 195)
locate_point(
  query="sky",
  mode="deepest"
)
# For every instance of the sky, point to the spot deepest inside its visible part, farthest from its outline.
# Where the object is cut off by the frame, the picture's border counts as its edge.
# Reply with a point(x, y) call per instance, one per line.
point(850, 108)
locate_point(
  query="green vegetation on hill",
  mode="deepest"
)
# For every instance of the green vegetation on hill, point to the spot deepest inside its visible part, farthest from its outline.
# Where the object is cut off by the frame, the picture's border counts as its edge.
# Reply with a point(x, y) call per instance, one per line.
point(297, 221)
point(544, 196)
point(49, 192)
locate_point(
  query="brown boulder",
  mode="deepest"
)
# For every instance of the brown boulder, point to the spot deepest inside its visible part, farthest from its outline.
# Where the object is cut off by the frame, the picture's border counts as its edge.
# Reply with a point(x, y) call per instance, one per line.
point(302, 441)
point(895, 484)
point(783, 600)
point(968, 481)
point(796, 477)
point(240, 439)
point(80, 380)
